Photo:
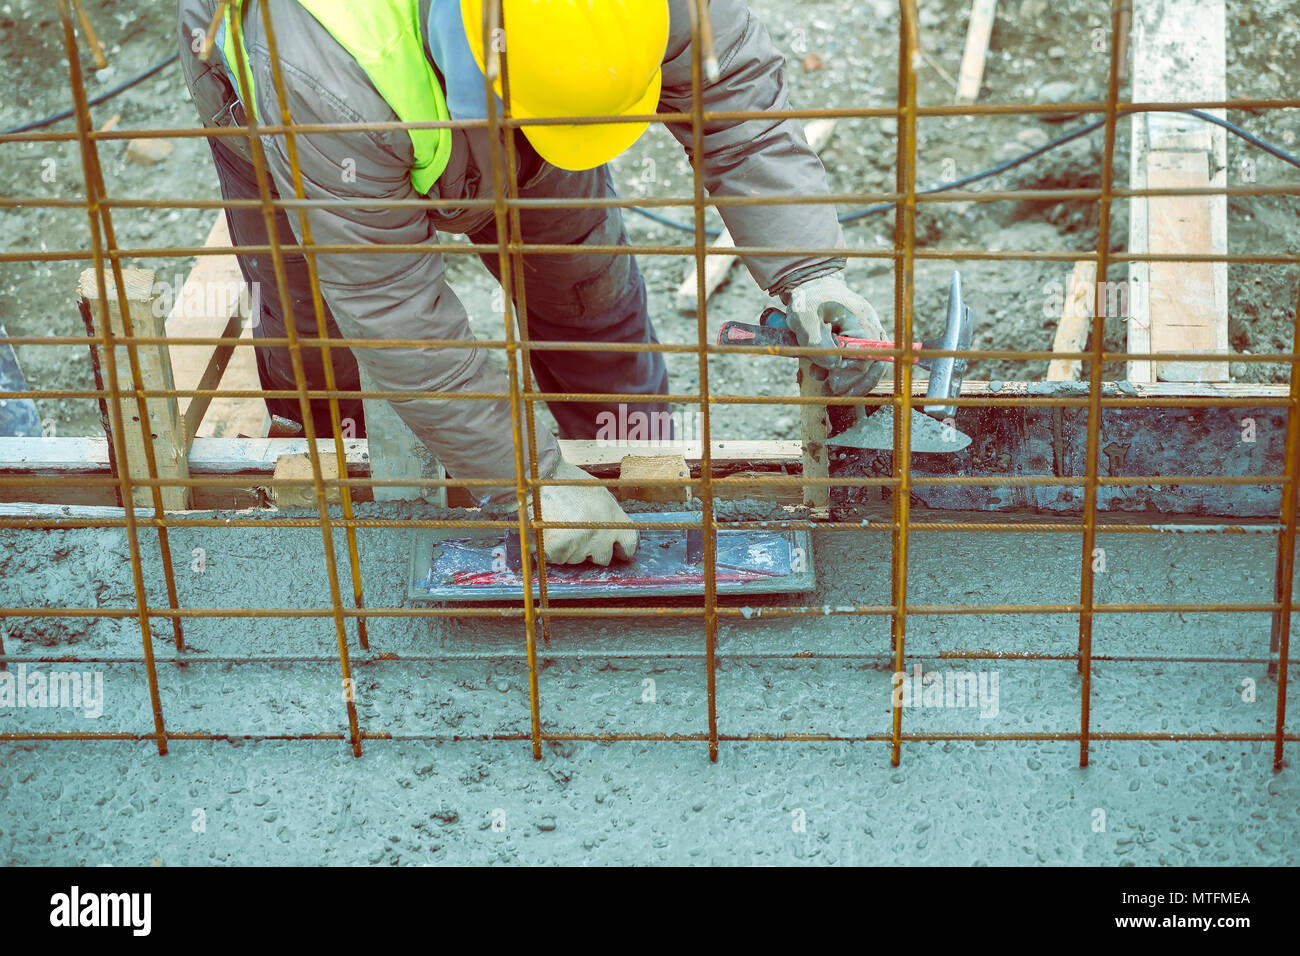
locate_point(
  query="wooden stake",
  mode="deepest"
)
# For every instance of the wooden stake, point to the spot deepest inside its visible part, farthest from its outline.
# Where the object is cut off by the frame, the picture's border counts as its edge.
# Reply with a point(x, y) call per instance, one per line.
point(92, 41)
point(971, 76)
point(165, 427)
point(1076, 319)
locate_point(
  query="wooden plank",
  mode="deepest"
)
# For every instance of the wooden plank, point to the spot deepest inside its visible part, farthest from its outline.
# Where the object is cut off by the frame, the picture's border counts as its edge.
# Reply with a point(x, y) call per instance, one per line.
point(210, 379)
point(205, 301)
point(978, 33)
point(1076, 320)
point(1020, 440)
point(1188, 313)
point(47, 459)
point(39, 511)
point(166, 431)
point(232, 456)
point(818, 133)
point(50, 459)
point(1178, 56)
point(589, 453)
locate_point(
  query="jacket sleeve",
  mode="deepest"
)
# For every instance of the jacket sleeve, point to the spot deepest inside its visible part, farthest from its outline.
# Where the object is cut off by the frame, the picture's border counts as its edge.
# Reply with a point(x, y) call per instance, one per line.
point(384, 295)
point(752, 157)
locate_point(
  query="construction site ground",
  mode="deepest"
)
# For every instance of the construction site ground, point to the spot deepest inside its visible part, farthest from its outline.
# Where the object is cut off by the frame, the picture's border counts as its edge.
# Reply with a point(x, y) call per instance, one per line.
point(476, 801)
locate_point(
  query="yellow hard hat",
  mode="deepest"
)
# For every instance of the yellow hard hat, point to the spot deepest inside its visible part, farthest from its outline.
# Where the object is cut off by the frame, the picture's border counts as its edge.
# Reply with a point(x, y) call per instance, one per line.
point(578, 58)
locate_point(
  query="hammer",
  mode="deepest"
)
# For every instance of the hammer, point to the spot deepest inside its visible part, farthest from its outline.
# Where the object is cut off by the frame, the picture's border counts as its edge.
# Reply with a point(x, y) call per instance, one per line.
point(946, 372)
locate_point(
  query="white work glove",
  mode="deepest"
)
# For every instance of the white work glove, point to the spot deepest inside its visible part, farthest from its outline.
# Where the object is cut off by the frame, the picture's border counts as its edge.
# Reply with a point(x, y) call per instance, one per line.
point(569, 503)
point(824, 305)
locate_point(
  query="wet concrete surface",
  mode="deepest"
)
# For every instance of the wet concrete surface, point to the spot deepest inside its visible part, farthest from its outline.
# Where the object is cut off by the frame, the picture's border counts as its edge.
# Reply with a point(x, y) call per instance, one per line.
point(487, 801)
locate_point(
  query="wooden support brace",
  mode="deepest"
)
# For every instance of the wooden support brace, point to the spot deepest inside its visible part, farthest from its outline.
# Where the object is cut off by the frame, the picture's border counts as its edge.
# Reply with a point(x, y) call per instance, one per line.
point(816, 427)
point(164, 425)
point(211, 378)
point(978, 33)
point(213, 300)
point(1076, 319)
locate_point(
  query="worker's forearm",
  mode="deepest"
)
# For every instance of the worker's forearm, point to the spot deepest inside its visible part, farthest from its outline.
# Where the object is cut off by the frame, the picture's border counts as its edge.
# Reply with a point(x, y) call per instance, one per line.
point(792, 226)
point(759, 157)
point(473, 439)
point(405, 296)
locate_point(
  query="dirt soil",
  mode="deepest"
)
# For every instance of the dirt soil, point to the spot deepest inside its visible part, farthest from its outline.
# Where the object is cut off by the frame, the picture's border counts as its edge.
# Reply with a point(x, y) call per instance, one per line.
point(1040, 51)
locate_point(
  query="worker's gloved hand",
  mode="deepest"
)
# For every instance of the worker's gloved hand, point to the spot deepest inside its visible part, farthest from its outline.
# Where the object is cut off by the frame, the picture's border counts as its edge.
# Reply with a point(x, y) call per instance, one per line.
point(824, 305)
point(569, 503)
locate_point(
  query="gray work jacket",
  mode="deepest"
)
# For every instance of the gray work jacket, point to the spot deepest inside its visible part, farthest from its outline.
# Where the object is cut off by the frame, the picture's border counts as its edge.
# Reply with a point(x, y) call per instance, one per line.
point(405, 295)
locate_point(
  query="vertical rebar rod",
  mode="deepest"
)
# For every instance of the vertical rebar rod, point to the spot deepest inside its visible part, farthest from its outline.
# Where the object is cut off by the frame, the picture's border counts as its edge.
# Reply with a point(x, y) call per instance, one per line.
point(492, 15)
point(1092, 482)
point(94, 185)
point(318, 308)
point(244, 74)
point(1283, 587)
point(707, 518)
point(133, 360)
point(525, 355)
point(904, 266)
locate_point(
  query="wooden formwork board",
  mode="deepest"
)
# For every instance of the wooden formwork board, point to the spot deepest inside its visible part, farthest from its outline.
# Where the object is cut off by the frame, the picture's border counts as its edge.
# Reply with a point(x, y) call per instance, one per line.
point(1016, 440)
point(1179, 56)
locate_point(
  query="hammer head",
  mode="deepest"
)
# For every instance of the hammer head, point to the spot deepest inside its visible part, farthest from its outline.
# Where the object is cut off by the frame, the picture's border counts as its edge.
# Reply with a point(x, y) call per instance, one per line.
point(946, 373)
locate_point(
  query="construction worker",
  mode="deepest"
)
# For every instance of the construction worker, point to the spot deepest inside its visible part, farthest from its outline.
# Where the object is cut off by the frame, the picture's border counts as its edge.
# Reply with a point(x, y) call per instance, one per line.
point(343, 61)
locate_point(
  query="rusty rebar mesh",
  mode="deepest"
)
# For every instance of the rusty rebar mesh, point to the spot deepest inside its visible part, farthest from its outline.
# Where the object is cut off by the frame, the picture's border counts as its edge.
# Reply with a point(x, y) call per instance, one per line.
point(108, 257)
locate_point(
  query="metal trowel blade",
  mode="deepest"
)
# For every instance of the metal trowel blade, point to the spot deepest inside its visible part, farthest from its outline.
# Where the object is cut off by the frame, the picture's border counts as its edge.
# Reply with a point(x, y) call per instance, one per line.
point(877, 431)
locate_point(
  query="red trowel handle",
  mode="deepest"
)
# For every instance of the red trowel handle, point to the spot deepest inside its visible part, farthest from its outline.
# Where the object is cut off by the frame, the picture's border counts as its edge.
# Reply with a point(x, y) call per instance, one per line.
point(743, 333)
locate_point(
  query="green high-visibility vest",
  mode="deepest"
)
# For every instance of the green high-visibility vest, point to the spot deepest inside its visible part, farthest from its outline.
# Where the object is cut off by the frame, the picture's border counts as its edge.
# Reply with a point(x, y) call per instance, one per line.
point(386, 40)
